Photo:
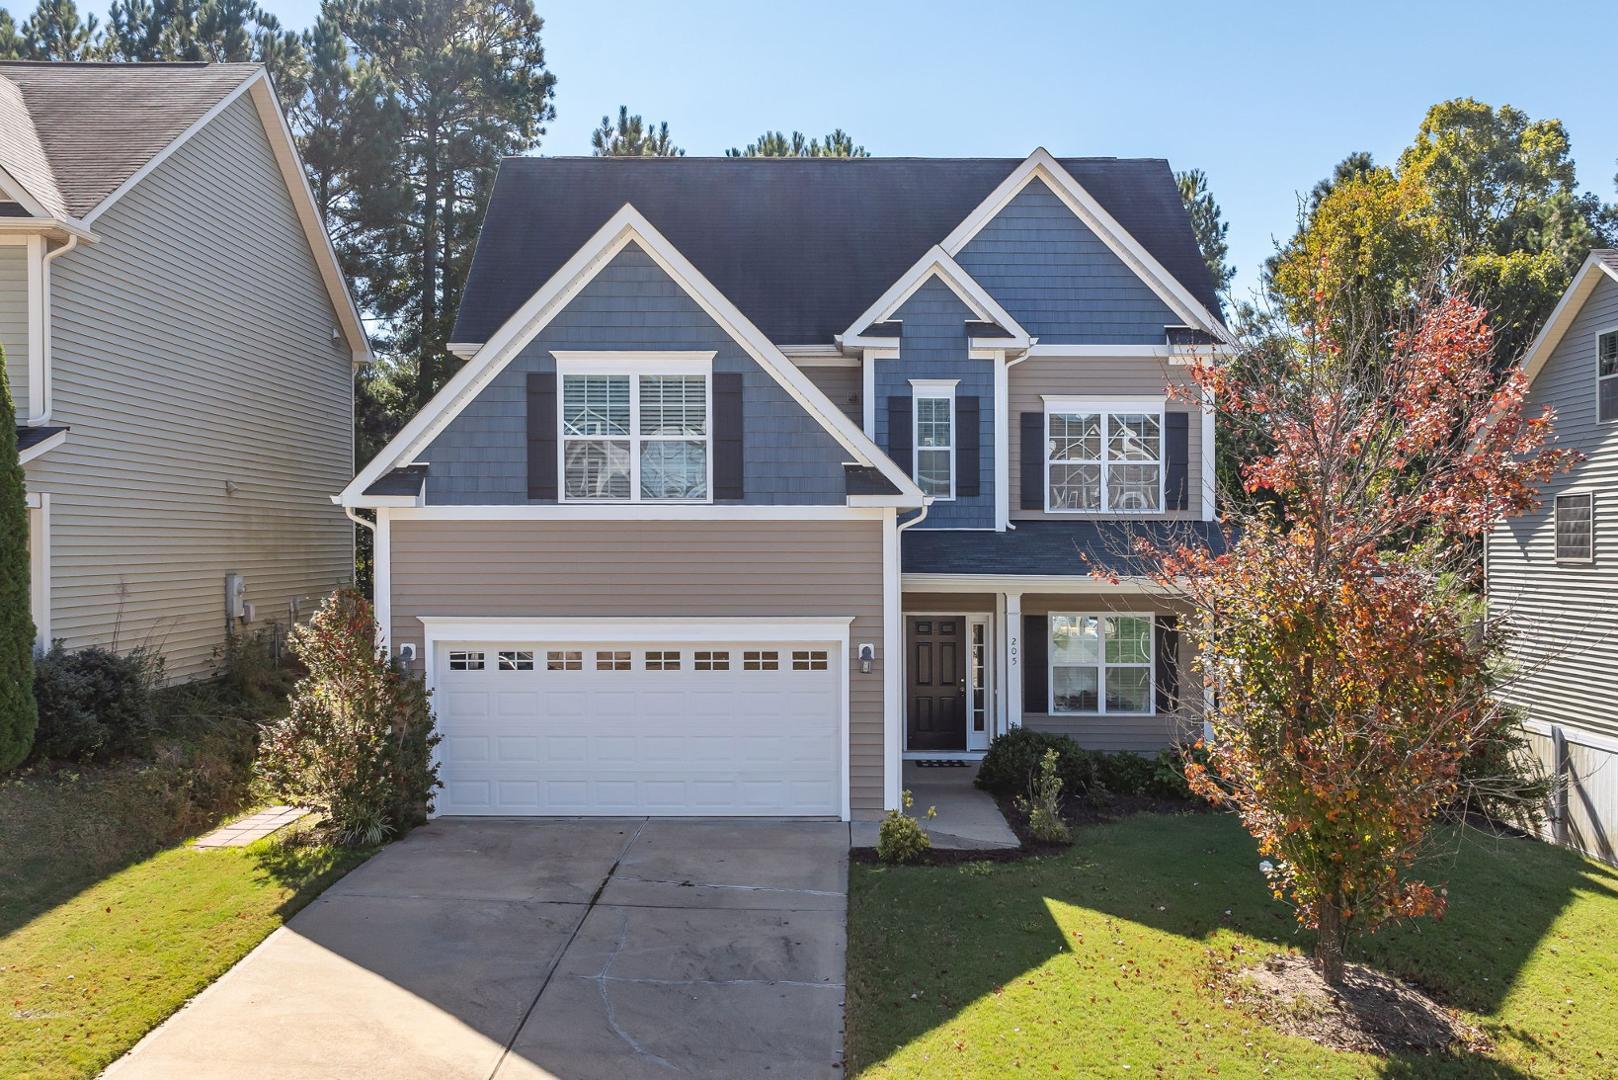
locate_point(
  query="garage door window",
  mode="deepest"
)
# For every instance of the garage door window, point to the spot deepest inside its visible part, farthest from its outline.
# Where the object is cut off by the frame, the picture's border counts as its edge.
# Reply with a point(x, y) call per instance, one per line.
point(517, 660)
point(465, 660)
point(657, 660)
point(761, 660)
point(564, 660)
point(809, 660)
point(712, 660)
point(612, 660)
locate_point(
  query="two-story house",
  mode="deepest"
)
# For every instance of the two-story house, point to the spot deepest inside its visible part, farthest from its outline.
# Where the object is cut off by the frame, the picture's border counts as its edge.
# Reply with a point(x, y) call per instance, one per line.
point(180, 346)
point(1553, 574)
point(763, 476)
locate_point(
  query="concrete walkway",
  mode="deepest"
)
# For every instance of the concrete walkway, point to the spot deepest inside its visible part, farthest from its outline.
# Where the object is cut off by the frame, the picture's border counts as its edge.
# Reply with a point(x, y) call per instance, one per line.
point(253, 827)
point(968, 818)
point(500, 949)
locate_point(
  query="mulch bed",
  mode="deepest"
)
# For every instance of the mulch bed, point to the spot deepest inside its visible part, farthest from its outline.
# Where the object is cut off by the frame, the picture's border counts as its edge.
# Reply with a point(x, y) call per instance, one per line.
point(1370, 1013)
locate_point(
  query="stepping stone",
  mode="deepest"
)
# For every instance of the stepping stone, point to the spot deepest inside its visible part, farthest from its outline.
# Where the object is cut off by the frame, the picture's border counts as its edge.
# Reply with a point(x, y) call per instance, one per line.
point(252, 827)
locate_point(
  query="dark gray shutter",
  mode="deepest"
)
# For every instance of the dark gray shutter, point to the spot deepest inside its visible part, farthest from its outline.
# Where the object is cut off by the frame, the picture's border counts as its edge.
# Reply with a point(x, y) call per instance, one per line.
point(968, 441)
point(542, 435)
point(1036, 651)
point(1032, 473)
point(901, 437)
point(1168, 663)
point(728, 443)
point(1177, 460)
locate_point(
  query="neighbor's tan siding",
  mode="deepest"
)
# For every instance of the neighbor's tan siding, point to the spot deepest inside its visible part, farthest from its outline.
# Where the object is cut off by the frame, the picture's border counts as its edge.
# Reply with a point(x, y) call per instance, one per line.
point(949, 603)
point(844, 385)
point(695, 570)
point(1140, 734)
point(194, 348)
point(1086, 377)
point(14, 322)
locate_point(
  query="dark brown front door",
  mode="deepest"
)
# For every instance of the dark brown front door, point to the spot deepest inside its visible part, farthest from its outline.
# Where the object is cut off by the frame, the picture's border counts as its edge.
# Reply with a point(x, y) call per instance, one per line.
point(937, 676)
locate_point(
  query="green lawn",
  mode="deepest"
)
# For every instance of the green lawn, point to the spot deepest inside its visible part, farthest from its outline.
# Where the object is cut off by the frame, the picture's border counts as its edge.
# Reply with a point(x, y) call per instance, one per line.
point(1099, 961)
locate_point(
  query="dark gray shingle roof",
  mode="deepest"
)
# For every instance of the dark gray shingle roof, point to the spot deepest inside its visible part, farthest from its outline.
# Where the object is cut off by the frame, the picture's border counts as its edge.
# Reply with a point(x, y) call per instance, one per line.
point(801, 245)
point(32, 436)
point(405, 480)
point(867, 480)
point(99, 123)
point(1073, 548)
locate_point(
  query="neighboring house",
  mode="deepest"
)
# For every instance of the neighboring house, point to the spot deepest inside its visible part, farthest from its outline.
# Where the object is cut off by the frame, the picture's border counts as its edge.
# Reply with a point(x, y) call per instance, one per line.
point(180, 345)
point(1554, 573)
point(764, 475)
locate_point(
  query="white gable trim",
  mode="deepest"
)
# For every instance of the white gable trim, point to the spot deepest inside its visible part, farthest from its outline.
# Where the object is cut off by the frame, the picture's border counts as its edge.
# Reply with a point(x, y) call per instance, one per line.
point(1567, 309)
point(297, 183)
point(627, 226)
point(1040, 165)
point(936, 263)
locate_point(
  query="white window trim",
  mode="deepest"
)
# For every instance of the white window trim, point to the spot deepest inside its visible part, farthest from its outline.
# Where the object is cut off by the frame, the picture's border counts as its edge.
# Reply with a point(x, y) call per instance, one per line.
point(39, 568)
point(1107, 406)
point(933, 389)
point(1102, 665)
point(1556, 527)
point(1600, 378)
point(632, 365)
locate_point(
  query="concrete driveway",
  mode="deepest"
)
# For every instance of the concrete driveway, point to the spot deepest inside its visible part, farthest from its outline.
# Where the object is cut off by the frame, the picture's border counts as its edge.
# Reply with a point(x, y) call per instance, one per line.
point(510, 949)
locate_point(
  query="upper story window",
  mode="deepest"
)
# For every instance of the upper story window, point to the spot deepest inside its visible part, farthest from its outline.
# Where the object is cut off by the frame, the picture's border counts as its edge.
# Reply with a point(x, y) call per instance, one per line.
point(1101, 663)
point(1575, 528)
point(1103, 457)
point(1607, 376)
point(635, 437)
point(934, 439)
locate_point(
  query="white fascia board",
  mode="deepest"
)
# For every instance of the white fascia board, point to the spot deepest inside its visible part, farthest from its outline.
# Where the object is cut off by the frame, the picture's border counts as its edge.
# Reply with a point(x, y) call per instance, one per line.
point(627, 226)
point(40, 449)
point(1029, 583)
point(940, 264)
point(465, 350)
point(636, 629)
point(1561, 318)
point(635, 512)
point(1042, 166)
point(285, 148)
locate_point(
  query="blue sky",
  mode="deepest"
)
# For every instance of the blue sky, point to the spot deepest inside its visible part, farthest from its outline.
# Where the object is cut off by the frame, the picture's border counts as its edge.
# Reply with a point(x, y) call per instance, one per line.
point(1264, 97)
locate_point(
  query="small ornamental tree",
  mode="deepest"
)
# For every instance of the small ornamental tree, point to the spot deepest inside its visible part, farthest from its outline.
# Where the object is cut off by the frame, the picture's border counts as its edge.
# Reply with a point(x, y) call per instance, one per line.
point(1351, 668)
point(18, 716)
point(357, 744)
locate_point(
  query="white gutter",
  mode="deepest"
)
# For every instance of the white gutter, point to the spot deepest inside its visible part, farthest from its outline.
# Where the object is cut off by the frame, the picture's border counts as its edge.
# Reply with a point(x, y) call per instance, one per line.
point(44, 371)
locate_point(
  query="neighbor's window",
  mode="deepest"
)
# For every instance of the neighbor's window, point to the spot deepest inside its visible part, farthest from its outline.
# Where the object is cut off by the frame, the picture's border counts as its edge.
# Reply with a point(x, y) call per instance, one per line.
point(1098, 460)
point(934, 441)
point(1575, 528)
point(1101, 663)
point(629, 438)
point(1607, 376)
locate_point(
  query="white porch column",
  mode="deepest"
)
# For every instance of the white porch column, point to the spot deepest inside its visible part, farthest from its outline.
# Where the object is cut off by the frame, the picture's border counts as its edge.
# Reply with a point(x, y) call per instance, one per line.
point(382, 578)
point(1013, 660)
point(1001, 647)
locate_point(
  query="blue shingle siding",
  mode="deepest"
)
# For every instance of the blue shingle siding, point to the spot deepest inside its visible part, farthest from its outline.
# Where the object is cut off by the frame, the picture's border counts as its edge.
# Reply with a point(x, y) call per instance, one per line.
point(632, 305)
point(933, 346)
point(1059, 279)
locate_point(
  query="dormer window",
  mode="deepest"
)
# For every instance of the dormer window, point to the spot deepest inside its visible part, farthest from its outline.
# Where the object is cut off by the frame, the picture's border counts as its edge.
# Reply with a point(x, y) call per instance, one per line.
point(635, 436)
point(1607, 376)
point(934, 438)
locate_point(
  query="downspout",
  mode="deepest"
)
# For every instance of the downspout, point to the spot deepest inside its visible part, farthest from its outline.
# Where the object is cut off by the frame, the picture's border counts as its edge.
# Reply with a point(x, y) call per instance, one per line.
point(1011, 526)
point(45, 331)
point(926, 505)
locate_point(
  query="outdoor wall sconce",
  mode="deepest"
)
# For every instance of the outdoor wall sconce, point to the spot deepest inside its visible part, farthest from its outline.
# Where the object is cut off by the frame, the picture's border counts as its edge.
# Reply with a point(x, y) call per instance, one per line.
point(867, 656)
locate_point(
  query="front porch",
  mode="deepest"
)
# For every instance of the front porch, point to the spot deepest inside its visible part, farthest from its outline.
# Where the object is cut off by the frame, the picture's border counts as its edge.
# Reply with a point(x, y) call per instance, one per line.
point(968, 819)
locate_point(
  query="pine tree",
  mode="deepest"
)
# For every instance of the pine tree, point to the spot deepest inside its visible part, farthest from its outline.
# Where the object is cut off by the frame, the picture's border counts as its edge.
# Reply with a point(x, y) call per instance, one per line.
point(632, 137)
point(18, 716)
point(776, 144)
point(55, 31)
point(1210, 229)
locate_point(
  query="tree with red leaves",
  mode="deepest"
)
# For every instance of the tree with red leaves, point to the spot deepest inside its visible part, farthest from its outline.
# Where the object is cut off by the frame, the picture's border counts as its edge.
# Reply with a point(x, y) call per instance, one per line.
point(1349, 660)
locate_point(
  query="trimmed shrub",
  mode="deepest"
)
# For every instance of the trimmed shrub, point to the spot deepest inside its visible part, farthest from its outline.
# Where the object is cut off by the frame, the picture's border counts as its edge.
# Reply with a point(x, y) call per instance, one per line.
point(1124, 773)
point(900, 838)
point(357, 744)
point(1043, 803)
point(1013, 763)
point(18, 716)
point(95, 703)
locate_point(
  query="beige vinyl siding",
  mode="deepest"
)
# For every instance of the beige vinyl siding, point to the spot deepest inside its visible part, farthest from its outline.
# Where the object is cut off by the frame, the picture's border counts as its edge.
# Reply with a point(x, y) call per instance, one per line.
point(194, 348)
point(1566, 616)
point(1086, 377)
point(949, 603)
point(14, 322)
point(844, 385)
point(1139, 734)
point(540, 569)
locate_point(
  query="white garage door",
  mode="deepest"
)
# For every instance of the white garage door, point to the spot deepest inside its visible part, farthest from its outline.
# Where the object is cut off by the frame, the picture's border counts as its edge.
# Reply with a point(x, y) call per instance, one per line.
point(711, 728)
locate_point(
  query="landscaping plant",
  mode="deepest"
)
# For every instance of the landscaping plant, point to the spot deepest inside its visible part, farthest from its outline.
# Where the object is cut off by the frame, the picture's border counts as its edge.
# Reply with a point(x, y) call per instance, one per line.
point(1043, 803)
point(900, 838)
point(95, 702)
point(357, 744)
point(17, 713)
point(1351, 668)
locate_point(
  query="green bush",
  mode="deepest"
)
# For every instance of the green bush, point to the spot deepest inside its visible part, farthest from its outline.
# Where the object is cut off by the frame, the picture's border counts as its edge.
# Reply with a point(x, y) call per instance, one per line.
point(1013, 762)
point(95, 703)
point(17, 713)
point(1043, 803)
point(357, 744)
point(900, 838)
point(1127, 774)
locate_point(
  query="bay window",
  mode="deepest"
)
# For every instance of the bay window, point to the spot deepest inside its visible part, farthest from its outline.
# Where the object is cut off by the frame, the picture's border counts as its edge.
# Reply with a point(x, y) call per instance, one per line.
point(1101, 663)
point(633, 437)
point(1103, 458)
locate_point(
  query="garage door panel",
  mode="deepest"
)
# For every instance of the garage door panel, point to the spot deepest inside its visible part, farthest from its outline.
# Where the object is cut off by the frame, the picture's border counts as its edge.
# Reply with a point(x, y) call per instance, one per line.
point(619, 733)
